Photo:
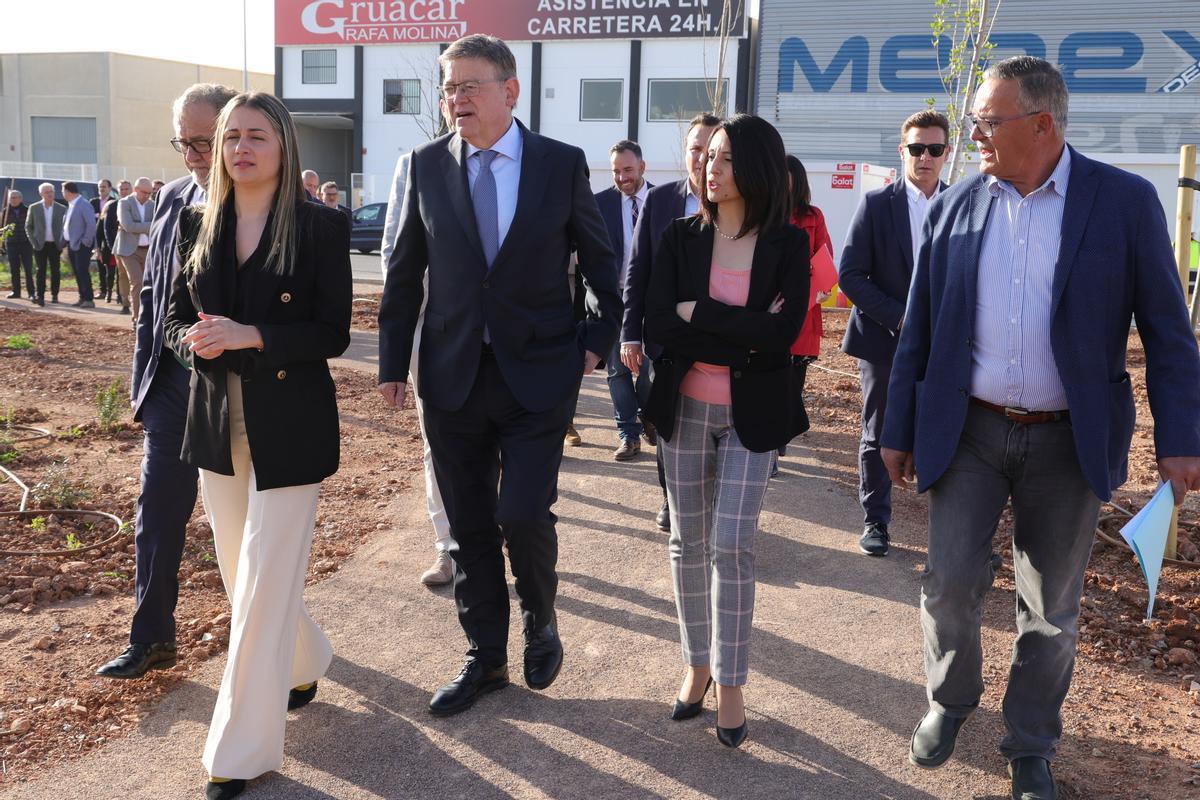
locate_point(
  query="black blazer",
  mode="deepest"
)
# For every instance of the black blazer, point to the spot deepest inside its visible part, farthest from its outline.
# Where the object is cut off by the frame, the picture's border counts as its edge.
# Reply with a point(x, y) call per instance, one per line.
point(304, 317)
point(767, 407)
point(875, 271)
point(663, 205)
point(524, 299)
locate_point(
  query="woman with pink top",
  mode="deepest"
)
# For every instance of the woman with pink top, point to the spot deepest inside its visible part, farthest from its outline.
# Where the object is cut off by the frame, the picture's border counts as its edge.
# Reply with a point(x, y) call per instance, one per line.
point(728, 294)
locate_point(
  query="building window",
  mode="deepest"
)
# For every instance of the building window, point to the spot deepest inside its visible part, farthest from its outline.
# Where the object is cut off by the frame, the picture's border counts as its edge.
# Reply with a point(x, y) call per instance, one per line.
point(600, 100)
point(669, 100)
point(402, 96)
point(320, 66)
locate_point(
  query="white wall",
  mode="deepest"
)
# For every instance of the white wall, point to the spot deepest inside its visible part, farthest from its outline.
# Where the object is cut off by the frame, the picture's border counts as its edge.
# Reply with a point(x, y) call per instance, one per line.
point(564, 65)
point(293, 73)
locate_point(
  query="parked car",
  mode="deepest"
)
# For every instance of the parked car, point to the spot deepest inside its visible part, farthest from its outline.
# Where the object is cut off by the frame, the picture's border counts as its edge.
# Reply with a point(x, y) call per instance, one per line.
point(366, 233)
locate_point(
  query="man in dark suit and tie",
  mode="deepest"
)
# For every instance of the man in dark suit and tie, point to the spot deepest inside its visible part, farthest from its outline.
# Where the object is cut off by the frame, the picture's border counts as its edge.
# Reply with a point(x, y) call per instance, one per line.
point(620, 205)
point(1010, 384)
point(876, 269)
point(495, 212)
point(159, 395)
point(663, 204)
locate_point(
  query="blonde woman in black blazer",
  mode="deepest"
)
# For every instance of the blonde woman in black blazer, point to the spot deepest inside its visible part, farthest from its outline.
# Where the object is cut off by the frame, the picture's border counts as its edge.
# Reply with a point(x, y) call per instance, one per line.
point(261, 301)
point(728, 294)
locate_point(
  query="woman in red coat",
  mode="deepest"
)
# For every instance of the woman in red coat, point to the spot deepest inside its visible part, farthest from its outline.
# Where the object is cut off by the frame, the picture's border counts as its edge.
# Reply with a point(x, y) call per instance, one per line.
point(809, 219)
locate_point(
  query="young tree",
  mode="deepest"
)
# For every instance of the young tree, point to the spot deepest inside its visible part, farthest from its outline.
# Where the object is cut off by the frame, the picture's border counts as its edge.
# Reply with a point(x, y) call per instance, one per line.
point(716, 86)
point(962, 32)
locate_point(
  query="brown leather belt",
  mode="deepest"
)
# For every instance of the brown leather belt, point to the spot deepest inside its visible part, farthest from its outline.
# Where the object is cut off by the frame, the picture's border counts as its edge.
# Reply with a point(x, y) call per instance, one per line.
point(1022, 415)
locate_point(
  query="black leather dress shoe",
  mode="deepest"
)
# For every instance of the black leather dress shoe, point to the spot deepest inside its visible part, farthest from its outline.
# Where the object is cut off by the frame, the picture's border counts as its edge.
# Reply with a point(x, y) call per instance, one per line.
point(225, 789)
point(874, 539)
point(649, 433)
point(13, 296)
point(299, 698)
point(733, 737)
point(1031, 779)
point(681, 710)
point(138, 659)
point(933, 740)
point(543, 657)
point(663, 520)
point(472, 681)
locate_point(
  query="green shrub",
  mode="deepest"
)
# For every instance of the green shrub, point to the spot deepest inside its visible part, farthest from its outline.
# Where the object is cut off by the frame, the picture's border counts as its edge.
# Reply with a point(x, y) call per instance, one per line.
point(18, 341)
point(110, 403)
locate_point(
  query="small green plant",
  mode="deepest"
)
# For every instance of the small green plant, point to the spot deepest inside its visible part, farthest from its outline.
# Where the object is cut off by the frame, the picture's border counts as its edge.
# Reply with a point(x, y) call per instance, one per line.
point(73, 542)
point(110, 404)
point(73, 432)
point(9, 456)
point(19, 341)
point(8, 446)
point(57, 490)
point(208, 558)
point(38, 524)
point(112, 573)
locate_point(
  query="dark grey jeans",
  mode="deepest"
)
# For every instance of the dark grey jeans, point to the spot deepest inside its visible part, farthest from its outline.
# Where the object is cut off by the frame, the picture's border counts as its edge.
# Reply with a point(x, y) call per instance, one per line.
point(1055, 514)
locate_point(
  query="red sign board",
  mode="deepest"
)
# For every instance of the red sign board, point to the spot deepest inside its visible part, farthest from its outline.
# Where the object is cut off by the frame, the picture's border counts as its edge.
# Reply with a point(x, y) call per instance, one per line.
point(837, 181)
point(340, 22)
point(849, 166)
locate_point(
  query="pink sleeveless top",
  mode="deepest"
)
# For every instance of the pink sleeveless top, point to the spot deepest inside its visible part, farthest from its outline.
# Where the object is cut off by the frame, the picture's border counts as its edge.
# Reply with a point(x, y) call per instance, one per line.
point(709, 383)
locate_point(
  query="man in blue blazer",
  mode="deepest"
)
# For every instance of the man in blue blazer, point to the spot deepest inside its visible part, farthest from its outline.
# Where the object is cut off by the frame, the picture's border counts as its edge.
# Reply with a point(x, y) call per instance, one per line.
point(875, 273)
point(664, 203)
point(159, 396)
point(620, 206)
point(1010, 382)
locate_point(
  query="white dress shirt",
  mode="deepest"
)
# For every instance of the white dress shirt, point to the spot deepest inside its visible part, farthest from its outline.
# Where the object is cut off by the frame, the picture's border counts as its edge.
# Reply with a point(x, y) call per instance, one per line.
point(627, 224)
point(48, 213)
point(143, 239)
point(506, 167)
point(1012, 361)
point(918, 210)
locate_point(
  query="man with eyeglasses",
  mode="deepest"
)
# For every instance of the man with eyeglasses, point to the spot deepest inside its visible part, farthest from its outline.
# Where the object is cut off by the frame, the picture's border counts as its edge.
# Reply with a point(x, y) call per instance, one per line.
point(1010, 386)
point(875, 273)
point(159, 396)
point(494, 211)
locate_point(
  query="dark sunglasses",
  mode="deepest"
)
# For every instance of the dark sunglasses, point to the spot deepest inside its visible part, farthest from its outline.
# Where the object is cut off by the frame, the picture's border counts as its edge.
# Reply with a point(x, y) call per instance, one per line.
point(916, 150)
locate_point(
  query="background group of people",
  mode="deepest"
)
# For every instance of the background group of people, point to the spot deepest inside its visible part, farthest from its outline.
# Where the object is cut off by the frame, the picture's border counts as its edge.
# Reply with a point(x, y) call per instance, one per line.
point(990, 322)
point(111, 229)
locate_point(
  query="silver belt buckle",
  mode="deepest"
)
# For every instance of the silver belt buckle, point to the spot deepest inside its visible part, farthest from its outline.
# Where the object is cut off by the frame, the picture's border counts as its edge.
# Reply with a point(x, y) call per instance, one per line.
point(1019, 412)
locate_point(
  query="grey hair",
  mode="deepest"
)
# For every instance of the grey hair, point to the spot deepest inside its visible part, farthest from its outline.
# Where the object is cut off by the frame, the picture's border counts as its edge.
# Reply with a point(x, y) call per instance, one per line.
point(141, 180)
point(1042, 85)
point(486, 48)
point(214, 94)
point(16, 193)
point(49, 186)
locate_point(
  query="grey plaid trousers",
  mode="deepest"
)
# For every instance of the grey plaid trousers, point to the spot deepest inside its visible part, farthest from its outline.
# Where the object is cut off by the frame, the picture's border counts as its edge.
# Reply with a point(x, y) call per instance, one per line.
point(715, 489)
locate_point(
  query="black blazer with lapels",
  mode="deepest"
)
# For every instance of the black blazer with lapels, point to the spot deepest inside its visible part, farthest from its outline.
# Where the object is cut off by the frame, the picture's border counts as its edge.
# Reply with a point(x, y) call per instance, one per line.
point(751, 341)
point(288, 395)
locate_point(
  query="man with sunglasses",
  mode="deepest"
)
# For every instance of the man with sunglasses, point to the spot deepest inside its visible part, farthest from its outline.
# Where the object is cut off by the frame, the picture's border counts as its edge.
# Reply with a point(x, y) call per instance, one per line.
point(1010, 387)
point(875, 273)
point(159, 396)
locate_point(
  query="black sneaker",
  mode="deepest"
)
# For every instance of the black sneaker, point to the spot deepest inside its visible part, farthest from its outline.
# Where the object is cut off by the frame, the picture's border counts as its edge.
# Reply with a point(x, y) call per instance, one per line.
point(874, 540)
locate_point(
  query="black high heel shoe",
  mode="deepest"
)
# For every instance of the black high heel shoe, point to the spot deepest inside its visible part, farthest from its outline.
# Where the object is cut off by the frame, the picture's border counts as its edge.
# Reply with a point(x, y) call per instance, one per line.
point(682, 710)
point(224, 790)
point(733, 737)
point(299, 698)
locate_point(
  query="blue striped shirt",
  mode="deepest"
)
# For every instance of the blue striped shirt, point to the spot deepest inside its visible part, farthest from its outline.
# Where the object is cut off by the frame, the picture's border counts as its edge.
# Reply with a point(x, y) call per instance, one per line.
point(1012, 362)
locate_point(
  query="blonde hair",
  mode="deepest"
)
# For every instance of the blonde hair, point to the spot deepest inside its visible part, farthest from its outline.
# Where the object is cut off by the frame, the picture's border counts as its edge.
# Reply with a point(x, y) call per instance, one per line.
point(288, 193)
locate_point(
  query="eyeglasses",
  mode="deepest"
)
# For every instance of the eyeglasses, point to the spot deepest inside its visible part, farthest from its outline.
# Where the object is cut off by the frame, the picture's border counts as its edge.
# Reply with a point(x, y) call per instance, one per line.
point(916, 149)
point(987, 127)
point(465, 88)
point(199, 145)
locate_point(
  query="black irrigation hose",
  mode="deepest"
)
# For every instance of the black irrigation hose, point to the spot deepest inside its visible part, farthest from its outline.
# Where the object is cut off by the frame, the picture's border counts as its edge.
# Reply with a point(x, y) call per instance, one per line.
point(66, 512)
point(34, 433)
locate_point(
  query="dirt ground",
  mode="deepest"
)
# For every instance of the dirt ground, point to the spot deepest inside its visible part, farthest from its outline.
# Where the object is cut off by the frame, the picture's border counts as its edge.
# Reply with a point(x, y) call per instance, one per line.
point(62, 615)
